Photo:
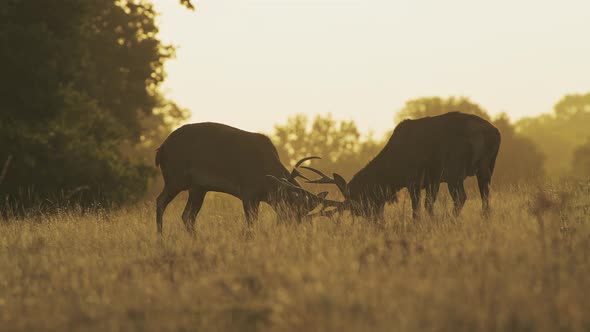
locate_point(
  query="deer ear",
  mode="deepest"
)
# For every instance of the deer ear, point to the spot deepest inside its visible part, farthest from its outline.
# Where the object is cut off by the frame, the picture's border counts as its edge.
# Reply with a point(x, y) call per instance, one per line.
point(341, 184)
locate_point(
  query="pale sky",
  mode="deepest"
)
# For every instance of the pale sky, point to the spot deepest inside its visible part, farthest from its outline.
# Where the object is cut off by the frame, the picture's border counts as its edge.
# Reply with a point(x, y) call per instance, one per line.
point(254, 63)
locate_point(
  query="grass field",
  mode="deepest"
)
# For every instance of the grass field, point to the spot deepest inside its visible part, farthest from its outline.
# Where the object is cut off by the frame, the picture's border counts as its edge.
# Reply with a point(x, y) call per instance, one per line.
point(525, 269)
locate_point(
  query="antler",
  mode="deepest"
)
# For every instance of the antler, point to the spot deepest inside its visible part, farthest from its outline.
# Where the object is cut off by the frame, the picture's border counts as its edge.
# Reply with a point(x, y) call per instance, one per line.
point(295, 172)
point(337, 180)
point(320, 198)
point(324, 178)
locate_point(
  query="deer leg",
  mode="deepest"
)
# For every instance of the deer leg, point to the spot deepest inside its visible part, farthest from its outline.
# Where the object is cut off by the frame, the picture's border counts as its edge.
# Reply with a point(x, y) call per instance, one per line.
point(415, 197)
point(193, 206)
point(483, 182)
point(431, 193)
point(459, 196)
point(165, 197)
point(250, 209)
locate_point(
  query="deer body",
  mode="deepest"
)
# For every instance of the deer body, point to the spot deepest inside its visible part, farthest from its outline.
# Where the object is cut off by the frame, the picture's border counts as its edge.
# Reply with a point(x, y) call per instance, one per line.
point(421, 154)
point(205, 157)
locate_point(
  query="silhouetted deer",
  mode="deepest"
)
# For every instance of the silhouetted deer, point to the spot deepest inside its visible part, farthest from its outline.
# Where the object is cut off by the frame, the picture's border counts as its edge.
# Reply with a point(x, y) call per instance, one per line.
point(205, 157)
point(421, 154)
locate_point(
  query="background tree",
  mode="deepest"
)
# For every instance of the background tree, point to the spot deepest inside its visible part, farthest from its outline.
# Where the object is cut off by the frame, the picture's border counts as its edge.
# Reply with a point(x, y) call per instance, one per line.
point(188, 4)
point(519, 158)
point(560, 133)
point(339, 143)
point(81, 85)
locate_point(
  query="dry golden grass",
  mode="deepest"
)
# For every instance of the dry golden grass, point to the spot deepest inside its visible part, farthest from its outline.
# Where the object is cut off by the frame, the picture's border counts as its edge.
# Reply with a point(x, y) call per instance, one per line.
point(526, 269)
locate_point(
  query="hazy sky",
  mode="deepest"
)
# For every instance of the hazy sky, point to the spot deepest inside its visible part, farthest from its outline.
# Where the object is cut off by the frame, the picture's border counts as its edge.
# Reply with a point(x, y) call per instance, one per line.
point(253, 63)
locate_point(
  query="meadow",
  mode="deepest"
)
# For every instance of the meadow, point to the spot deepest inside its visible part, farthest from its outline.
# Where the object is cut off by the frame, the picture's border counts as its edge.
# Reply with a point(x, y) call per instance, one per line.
point(527, 268)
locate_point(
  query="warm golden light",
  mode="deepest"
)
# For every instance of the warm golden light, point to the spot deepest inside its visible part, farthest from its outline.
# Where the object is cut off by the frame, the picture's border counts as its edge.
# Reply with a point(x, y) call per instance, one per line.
point(254, 63)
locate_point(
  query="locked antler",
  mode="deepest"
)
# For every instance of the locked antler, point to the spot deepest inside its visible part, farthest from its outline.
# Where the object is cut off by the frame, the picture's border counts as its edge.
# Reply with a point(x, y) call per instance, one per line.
point(320, 198)
point(337, 180)
point(295, 172)
point(324, 178)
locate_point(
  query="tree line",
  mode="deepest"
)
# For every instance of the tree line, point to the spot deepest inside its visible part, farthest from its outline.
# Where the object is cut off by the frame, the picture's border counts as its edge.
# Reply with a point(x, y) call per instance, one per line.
point(82, 112)
point(81, 107)
point(556, 144)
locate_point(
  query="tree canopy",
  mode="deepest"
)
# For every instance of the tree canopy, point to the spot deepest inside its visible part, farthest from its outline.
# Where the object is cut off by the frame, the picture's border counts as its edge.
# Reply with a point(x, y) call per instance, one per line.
point(339, 143)
point(81, 81)
point(559, 134)
point(343, 149)
point(188, 4)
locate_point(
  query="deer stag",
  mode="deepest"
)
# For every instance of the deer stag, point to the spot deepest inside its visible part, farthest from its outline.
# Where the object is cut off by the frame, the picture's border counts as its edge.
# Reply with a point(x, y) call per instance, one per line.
point(205, 157)
point(421, 154)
